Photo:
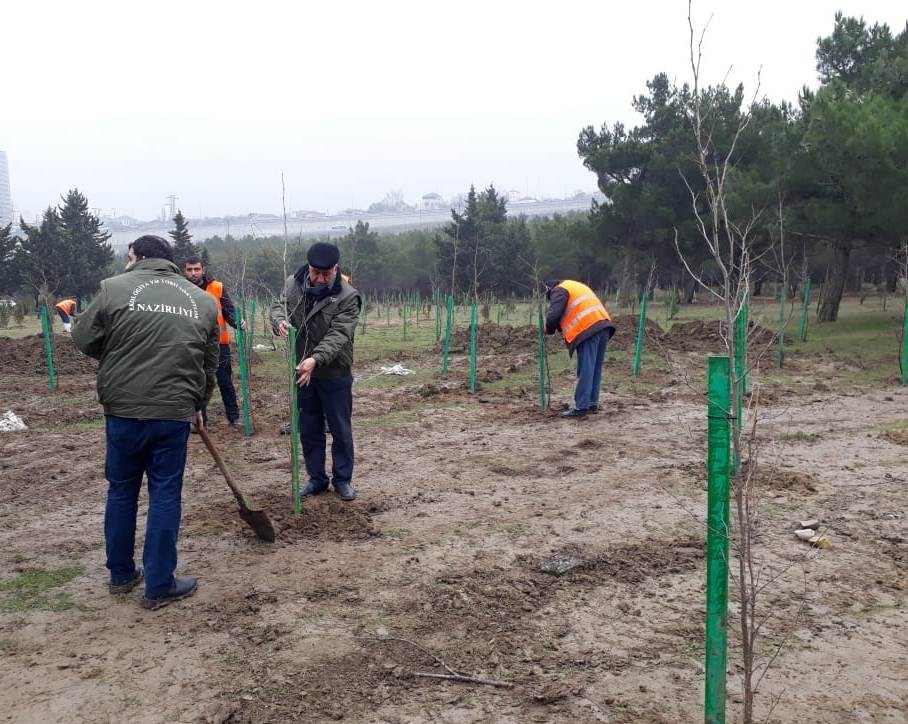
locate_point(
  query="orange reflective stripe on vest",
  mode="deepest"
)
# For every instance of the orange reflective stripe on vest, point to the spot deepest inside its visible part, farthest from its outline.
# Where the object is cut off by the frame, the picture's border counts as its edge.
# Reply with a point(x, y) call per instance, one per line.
point(216, 289)
point(66, 305)
point(582, 311)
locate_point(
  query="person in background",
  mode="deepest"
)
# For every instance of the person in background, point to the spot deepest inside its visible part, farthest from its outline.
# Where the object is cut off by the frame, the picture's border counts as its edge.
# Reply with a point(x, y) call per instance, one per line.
point(65, 308)
point(195, 271)
point(586, 326)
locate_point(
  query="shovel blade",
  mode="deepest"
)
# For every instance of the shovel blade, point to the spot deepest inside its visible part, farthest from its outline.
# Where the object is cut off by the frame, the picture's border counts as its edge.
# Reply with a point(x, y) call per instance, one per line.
point(260, 523)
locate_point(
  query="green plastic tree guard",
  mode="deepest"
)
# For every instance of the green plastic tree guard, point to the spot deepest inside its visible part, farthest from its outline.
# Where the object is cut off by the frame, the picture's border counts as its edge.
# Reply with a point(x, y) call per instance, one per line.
point(446, 348)
point(717, 459)
point(244, 377)
point(48, 349)
point(805, 308)
point(473, 347)
point(294, 422)
point(540, 354)
point(641, 333)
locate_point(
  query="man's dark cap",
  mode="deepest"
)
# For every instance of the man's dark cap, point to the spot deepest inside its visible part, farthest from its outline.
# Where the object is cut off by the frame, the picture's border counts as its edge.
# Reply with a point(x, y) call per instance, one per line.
point(322, 255)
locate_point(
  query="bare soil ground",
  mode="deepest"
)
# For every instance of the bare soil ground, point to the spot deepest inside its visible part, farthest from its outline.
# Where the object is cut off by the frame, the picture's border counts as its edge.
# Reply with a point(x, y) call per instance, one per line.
point(564, 557)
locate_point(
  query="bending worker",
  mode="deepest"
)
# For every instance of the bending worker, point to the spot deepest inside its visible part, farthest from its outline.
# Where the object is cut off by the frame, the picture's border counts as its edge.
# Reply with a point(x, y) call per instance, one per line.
point(195, 271)
point(324, 309)
point(65, 308)
point(586, 326)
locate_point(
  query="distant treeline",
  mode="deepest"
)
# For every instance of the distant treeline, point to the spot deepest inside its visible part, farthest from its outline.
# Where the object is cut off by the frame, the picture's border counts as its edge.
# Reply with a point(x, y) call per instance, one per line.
point(820, 185)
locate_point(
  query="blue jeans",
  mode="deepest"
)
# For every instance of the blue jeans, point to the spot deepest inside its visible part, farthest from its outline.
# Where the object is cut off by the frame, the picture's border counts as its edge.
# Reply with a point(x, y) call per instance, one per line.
point(590, 357)
point(331, 400)
point(156, 448)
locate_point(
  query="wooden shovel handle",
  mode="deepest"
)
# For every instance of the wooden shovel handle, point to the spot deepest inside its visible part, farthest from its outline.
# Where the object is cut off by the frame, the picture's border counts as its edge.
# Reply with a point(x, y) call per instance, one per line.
point(240, 498)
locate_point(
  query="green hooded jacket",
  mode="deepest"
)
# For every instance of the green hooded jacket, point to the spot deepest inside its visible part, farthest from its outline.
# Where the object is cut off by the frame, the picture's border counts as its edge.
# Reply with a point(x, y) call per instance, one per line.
point(156, 336)
point(326, 332)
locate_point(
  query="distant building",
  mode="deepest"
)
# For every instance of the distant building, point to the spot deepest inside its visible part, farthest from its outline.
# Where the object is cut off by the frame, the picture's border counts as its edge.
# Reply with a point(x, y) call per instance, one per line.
point(513, 195)
point(433, 202)
point(6, 197)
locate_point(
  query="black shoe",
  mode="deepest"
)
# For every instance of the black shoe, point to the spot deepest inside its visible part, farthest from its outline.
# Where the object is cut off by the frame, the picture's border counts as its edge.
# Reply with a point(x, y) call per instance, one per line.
point(313, 489)
point(574, 412)
point(183, 587)
point(344, 491)
point(126, 587)
point(593, 409)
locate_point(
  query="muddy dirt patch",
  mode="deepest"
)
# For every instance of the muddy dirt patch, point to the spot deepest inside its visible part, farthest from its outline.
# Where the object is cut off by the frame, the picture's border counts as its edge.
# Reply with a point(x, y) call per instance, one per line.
point(899, 437)
point(25, 356)
point(632, 563)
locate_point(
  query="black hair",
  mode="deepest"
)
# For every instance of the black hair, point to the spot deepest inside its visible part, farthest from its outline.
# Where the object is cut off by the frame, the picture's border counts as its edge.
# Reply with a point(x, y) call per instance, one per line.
point(152, 247)
point(194, 259)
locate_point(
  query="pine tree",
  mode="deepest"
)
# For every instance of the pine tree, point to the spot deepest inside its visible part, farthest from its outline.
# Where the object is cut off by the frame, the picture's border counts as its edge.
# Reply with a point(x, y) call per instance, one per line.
point(183, 248)
point(42, 258)
point(9, 280)
point(85, 243)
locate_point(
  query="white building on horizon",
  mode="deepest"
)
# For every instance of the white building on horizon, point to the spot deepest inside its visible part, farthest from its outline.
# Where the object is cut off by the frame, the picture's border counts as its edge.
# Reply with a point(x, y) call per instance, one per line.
point(6, 197)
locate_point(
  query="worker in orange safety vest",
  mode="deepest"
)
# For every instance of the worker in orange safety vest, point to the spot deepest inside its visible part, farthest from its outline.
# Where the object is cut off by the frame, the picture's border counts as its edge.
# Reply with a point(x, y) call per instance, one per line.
point(65, 308)
point(194, 270)
point(576, 311)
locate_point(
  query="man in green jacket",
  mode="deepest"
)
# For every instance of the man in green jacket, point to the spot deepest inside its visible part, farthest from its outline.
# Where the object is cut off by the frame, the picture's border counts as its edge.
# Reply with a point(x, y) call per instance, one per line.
point(324, 308)
point(156, 337)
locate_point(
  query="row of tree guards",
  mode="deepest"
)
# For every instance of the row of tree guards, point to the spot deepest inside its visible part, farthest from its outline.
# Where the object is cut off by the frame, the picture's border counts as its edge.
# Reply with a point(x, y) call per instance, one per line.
point(410, 305)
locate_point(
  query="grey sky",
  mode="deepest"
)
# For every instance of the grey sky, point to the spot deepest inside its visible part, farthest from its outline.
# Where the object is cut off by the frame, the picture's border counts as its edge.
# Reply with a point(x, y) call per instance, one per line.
point(211, 101)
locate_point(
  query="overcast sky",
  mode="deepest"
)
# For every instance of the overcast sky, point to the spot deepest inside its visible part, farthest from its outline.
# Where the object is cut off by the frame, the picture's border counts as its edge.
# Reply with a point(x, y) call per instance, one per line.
point(212, 101)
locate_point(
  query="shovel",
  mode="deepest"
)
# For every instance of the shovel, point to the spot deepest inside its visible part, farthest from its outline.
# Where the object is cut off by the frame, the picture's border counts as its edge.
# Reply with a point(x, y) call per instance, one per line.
point(255, 517)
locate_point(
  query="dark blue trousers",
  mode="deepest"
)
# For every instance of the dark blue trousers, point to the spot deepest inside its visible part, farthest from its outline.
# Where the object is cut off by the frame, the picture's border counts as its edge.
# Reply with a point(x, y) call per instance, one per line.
point(590, 358)
point(225, 385)
point(156, 448)
point(331, 400)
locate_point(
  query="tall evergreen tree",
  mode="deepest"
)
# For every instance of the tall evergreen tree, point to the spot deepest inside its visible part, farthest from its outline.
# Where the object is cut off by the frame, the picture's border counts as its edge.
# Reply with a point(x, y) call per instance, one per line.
point(85, 243)
point(183, 248)
point(9, 277)
point(42, 257)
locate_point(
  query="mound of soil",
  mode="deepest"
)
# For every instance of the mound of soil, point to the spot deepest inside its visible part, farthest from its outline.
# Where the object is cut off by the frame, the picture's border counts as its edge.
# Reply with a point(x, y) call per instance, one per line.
point(651, 558)
point(491, 337)
point(709, 336)
point(772, 478)
point(324, 517)
point(625, 336)
point(25, 356)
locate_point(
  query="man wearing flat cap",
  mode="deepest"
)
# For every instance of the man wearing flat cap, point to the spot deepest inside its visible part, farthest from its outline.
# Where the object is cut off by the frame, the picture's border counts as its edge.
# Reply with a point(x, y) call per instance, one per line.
point(324, 308)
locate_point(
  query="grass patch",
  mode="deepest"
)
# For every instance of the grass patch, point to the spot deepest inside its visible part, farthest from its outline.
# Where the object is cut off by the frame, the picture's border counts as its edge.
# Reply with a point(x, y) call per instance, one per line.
point(800, 436)
point(33, 590)
point(894, 426)
point(392, 419)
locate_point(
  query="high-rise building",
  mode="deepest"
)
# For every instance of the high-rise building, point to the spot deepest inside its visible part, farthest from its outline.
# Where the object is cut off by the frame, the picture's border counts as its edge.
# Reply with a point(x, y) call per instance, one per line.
point(6, 198)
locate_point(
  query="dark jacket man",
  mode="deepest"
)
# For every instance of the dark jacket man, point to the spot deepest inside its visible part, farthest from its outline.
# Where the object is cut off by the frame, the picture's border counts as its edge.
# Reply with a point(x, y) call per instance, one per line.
point(156, 336)
point(324, 309)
